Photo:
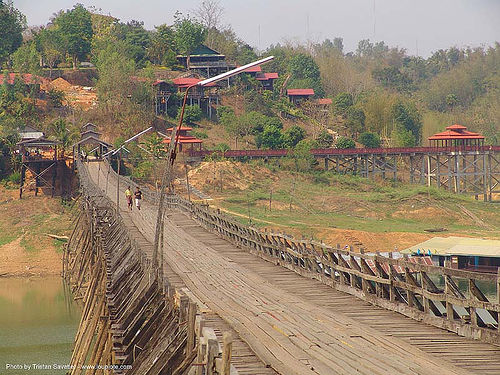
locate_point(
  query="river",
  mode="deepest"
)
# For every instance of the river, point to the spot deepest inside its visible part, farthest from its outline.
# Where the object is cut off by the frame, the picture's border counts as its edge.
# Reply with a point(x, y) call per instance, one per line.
point(38, 323)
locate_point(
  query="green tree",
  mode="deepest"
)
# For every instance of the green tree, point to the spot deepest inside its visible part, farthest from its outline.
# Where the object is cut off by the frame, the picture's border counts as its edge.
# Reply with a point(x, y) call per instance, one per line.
point(345, 143)
point(342, 102)
point(271, 138)
point(302, 157)
point(136, 38)
point(27, 59)
point(192, 113)
point(154, 144)
point(189, 34)
point(403, 137)
point(355, 119)
point(75, 26)
point(162, 49)
point(61, 131)
point(305, 72)
point(407, 117)
point(12, 24)
point(324, 139)
point(115, 69)
point(293, 136)
point(369, 140)
point(51, 45)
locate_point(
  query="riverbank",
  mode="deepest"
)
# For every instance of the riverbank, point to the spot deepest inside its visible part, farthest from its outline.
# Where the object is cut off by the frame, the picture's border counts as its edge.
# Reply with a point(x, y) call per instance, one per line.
point(26, 250)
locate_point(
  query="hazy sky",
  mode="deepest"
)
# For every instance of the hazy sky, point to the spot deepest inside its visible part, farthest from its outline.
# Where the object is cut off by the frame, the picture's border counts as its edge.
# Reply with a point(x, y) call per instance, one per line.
point(424, 24)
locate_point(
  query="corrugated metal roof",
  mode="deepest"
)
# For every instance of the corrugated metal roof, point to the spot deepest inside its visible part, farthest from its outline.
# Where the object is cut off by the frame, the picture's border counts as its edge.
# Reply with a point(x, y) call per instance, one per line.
point(458, 246)
point(298, 92)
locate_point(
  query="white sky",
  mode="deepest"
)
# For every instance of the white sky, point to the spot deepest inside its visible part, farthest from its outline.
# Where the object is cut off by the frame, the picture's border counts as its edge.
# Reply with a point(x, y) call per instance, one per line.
point(424, 24)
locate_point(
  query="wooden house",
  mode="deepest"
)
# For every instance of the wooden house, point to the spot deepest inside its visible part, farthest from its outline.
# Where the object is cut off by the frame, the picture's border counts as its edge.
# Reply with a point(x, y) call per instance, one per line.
point(206, 62)
point(298, 95)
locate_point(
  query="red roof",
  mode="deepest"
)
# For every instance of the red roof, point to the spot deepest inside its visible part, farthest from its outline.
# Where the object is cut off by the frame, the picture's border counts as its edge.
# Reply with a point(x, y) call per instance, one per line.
point(183, 127)
point(27, 78)
point(189, 81)
point(266, 76)
point(324, 101)
point(456, 132)
point(253, 69)
point(300, 92)
point(184, 139)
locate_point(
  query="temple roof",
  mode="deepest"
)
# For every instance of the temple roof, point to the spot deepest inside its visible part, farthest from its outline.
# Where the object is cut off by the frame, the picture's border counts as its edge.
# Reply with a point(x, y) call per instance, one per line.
point(456, 131)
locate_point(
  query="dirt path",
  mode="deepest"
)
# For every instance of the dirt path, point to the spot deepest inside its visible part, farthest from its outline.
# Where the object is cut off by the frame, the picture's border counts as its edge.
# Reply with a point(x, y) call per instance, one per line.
point(287, 331)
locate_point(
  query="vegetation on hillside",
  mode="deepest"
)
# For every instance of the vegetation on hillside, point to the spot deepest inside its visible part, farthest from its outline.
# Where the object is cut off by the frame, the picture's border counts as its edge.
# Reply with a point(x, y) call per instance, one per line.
point(380, 95)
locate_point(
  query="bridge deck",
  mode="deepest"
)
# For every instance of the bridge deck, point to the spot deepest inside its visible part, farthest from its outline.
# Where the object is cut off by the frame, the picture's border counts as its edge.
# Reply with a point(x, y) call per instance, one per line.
point(297, 325)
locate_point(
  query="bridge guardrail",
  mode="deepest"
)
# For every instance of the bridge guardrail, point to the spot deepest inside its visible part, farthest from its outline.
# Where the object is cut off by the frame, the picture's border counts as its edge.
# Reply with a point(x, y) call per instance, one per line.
point(135, 296)
point(395, 284)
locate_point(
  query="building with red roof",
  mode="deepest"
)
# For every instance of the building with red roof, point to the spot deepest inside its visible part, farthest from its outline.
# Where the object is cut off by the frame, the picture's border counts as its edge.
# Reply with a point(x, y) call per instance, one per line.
point(185, 139)
point(29, 80)
point(266, 79)
point(298, 95)
point(456, 136)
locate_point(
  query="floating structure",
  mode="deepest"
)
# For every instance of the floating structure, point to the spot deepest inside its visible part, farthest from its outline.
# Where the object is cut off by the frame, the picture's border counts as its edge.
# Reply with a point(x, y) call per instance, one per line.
point(473, 254)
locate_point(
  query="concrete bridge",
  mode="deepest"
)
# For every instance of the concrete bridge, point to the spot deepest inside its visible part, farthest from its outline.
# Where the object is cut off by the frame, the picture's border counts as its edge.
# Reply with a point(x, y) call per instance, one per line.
point(229, 299)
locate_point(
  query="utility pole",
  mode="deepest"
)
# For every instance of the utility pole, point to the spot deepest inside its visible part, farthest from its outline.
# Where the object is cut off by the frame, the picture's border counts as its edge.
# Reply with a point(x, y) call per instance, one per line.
point(118, 184)
point(187, 181)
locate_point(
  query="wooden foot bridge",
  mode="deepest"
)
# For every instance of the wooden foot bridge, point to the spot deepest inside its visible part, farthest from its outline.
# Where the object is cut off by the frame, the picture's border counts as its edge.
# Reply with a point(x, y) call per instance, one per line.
point(230, 299)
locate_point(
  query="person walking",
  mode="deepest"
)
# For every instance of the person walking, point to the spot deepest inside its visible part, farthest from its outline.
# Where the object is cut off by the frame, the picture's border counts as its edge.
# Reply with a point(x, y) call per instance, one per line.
point(128, 195)
point(138, 197)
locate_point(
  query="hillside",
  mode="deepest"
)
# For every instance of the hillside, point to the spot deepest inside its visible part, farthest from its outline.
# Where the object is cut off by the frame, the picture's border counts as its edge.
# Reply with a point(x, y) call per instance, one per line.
point(376, 215)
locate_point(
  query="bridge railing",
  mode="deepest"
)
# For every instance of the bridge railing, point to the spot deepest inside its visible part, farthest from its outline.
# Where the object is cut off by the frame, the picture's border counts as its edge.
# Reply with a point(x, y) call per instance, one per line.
point(444, 297)
point(148, 325)
point(343, 152)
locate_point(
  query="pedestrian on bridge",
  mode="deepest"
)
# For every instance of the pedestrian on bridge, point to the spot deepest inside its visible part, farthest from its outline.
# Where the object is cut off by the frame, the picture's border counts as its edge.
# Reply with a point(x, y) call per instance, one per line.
point(128, 195)
point(138, 197)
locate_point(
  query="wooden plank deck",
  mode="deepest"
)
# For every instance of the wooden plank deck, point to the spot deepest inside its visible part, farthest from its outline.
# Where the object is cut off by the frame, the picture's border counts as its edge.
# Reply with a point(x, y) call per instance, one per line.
point(296, 325)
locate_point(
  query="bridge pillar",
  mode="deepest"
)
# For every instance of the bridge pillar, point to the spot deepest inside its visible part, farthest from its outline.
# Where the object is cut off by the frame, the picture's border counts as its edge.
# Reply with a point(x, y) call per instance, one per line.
point(326, 163)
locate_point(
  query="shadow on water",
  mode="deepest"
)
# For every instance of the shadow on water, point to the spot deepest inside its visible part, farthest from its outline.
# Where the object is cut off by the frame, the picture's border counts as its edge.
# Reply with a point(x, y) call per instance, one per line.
point(38, 323)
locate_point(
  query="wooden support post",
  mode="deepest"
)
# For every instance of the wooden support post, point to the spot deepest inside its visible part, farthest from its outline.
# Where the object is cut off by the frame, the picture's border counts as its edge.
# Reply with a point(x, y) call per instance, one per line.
point(424, 289)
point(392, 290)
point(227, 349)
point(472, 310)
point(118, 185)
point(201, 357)
point(212, 352)
point(191, 328)
point(409, 294)
point(183, 307)
point(447, 292)
point(498, 297)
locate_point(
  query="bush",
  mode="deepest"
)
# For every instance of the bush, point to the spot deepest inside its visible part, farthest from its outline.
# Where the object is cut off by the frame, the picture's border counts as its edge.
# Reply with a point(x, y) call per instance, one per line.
point(342, 102)
point(56, 97)
point(222, 147)
point(15, 177)
point(345, 143)
point(192, 113)
point(369, 140)
point(324, 139)
point(271, 138)
point(294, 135)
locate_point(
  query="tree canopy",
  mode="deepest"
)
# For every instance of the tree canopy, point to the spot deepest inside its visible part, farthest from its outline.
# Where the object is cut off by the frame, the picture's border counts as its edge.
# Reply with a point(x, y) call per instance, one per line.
point(12, 24)
point(76, 31)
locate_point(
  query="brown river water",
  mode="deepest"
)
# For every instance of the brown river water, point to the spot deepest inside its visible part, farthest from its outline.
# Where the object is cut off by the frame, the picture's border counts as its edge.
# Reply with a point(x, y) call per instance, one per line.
point(38, 323)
